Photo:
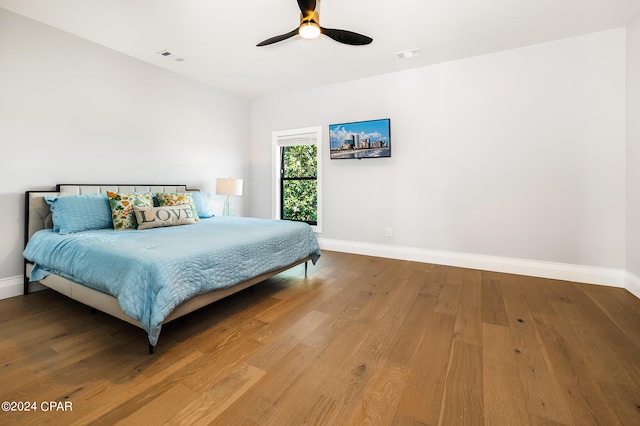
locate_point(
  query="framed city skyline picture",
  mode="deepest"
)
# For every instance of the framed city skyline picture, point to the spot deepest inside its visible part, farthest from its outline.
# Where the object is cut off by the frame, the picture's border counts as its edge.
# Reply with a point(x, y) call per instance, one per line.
point(360, 139)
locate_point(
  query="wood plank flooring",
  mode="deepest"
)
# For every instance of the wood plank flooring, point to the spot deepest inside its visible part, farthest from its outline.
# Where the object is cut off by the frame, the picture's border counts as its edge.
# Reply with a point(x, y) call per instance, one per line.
point(361, 340)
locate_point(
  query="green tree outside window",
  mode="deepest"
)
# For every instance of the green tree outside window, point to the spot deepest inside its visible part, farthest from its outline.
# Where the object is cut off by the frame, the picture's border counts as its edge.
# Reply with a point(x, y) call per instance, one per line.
point(299, 180)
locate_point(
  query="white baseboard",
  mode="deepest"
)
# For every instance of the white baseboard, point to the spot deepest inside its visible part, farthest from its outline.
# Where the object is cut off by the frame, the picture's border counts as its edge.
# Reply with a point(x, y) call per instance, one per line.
point(559, 271)
point(10, 287)
point(632, 284)
point(13, 286)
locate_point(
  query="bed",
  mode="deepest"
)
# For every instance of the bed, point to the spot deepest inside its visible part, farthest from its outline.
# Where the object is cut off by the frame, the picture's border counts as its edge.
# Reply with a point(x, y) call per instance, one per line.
point(149, 274)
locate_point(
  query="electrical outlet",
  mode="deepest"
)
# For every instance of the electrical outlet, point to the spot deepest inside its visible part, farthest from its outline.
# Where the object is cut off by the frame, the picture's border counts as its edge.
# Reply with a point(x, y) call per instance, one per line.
point(389, 233)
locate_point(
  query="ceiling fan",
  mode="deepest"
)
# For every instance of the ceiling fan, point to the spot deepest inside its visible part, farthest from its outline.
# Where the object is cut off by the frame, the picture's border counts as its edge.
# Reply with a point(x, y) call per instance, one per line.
point(310, 28)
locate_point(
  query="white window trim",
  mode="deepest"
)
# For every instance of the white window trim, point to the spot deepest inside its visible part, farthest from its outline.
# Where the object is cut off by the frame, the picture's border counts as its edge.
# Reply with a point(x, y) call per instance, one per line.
point(288, 138)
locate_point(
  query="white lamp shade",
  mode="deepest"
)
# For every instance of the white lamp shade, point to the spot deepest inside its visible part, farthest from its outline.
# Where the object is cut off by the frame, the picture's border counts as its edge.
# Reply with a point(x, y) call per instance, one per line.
point(229, 186)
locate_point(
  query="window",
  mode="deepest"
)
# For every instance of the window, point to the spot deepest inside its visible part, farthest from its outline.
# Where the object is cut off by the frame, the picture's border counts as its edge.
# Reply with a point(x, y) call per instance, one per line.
point(299, 183)
point(297, 179)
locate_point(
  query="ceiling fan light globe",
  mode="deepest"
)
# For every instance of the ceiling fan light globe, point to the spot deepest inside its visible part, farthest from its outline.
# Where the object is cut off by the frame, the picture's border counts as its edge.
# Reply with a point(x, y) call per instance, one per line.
point(309, 30)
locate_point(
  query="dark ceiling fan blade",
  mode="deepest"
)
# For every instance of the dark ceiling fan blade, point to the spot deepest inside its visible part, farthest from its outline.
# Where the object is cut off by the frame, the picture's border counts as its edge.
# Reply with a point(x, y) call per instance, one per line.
point(278, 38)
point(307, 6)
point(346, 37)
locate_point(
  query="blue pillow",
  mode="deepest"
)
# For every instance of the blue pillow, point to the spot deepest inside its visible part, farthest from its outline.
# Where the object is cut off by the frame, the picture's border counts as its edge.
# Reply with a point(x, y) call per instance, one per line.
point(201, 202)
point(77, 213)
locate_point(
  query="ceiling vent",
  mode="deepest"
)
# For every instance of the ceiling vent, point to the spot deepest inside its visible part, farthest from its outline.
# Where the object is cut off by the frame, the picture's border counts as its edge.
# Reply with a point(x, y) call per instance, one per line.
point(170, 55)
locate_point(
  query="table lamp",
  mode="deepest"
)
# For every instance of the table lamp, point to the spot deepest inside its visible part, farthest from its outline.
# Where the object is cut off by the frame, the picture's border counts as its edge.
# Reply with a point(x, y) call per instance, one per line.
point(229, 187)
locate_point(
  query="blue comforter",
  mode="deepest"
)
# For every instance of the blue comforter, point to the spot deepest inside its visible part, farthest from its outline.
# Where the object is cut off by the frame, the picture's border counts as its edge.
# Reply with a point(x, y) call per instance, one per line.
point(151, 272)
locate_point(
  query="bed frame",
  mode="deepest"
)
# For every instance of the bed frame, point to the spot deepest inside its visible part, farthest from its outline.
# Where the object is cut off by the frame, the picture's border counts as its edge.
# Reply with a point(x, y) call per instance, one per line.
point(38, 216)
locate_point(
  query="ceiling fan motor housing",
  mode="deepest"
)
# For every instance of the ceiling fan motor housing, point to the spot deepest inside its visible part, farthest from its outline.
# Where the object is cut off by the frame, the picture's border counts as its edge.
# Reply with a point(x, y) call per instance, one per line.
point(312, 17)
point(309, 25)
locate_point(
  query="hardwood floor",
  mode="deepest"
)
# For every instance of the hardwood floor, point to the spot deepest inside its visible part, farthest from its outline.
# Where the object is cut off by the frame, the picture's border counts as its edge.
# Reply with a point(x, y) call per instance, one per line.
point(361, 340)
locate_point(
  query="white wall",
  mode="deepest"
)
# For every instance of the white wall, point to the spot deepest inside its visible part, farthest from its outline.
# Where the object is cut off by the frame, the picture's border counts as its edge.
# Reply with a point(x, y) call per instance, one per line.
point(517, 154)
point(633, 156)
point(75, 112)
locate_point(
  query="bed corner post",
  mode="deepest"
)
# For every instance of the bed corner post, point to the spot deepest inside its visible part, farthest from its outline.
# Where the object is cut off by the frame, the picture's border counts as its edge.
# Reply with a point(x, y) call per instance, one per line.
point(25, 289)
point(150, 349)
point(306, 265)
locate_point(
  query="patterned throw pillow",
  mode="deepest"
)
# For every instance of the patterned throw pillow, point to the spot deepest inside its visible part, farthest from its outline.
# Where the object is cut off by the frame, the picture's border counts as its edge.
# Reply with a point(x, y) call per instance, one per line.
point(122, 213)
point(177, 198)
point(156, 217)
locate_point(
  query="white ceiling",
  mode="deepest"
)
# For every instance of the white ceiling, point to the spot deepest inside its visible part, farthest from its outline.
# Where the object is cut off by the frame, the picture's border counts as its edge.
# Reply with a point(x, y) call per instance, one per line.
point(217, 38)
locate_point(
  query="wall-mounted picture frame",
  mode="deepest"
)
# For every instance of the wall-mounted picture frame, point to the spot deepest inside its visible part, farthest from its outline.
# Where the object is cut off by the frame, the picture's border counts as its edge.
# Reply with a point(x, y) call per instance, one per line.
point(360, 139)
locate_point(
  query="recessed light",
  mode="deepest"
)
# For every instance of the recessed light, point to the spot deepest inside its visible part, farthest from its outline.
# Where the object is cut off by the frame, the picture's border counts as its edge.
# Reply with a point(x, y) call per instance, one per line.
point(408, 53)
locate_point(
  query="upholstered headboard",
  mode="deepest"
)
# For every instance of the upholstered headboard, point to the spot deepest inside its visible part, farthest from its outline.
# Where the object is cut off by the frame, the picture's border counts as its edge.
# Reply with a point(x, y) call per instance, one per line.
point(37, 211)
